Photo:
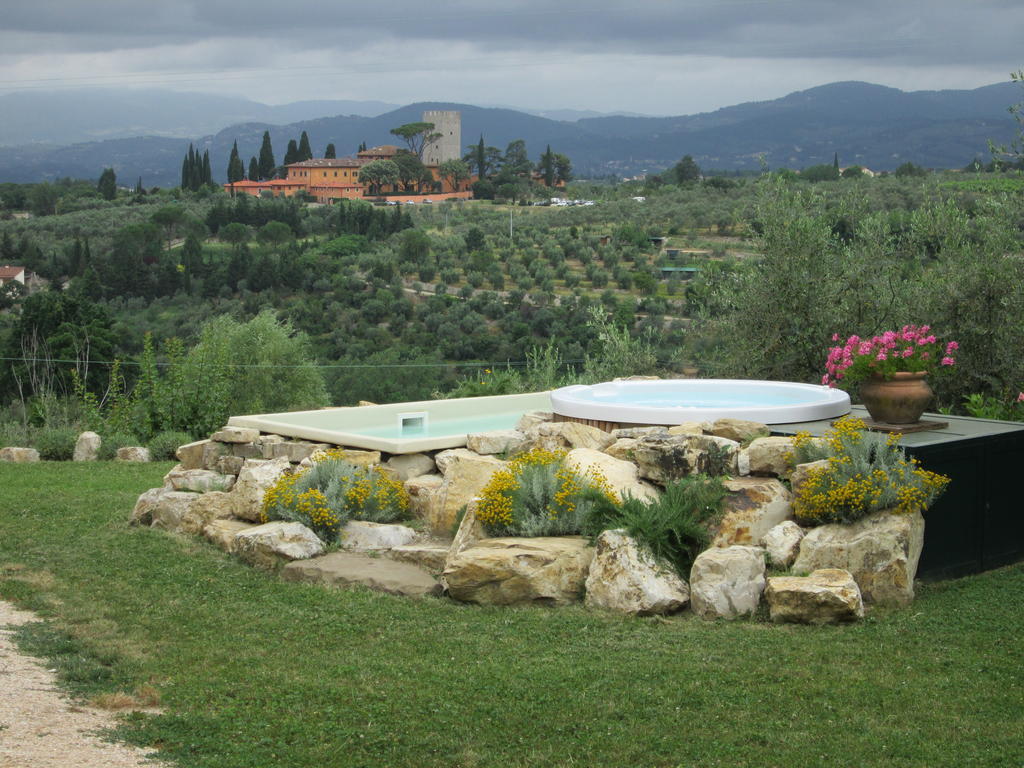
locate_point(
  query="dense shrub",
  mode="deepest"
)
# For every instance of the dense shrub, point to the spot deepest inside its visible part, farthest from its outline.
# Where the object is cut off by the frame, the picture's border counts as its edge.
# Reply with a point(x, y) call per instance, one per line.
point(112, 441)
point(56, 444)
point(867, 472)
point(538, 495)
point(673, 527)
point(333, 491)
point(163, 446)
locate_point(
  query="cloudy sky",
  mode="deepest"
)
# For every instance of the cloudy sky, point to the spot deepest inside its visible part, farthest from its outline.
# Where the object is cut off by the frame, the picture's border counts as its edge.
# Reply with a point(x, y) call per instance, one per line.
point(648, 56)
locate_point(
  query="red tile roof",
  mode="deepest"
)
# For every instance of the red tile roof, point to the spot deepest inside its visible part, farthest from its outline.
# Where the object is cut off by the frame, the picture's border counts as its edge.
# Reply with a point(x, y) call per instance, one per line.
point(9, 273)
point(329, 162)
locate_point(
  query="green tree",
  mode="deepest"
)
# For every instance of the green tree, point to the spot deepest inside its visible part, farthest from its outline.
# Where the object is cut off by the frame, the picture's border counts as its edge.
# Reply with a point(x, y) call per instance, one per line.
point(377, 174)
point(330, 153)
point(291, 154)
point(267, 165)
point(454, 172)
point(254, 169)
point(305, 152)
point(411, 171)
point(275, 233)
point(909, 170)
point(1014, 151)
point(236, 171)
point(170, 217)
point(516, 162)
point(817, 173)
point(42, 199)
point(416, 136)
point(107, 185)
point(852, 172)
point(476, 156)
point(563, 168)
point(547, 167)
point(686, 170)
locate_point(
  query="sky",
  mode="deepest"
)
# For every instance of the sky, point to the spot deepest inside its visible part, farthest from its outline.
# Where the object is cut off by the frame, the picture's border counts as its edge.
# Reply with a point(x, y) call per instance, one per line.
point(658, 57)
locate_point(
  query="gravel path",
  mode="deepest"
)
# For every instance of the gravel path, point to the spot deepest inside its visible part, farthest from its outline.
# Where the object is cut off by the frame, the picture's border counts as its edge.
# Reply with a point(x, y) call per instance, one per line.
point(40, 727)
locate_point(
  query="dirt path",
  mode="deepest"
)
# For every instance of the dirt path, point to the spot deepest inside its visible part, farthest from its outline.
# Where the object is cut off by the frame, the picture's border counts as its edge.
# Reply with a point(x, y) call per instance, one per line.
point(39, 726)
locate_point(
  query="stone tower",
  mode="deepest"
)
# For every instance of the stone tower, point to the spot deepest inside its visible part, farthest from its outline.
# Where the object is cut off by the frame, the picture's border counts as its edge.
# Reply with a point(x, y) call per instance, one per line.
point(449, 145)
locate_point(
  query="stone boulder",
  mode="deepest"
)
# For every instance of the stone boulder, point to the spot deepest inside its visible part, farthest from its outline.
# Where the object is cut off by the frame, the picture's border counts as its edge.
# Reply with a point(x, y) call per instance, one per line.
point(801, 472)
point(431, 556)
point(343, 569)
point(87, 447)
point(782, 543)
point(727, 583)
point(364, 535)
point(626, 578)
point(256, 477)
point(505, 441)
point(138, 453)
point(208, 507)
point(212, 453)
point(142, 513)
point(192, 455)
point(737, 429)
point(623, 476)
point(827, 596)
point(15, 455)
point(623, 448)
point(687, 428)
point(271, 543)
point(447, 459)
point(881, 552)
point(422, 490)
point(242, 451)
point(566, 435)
point(665, 459)
point(222, 531)
point(470, 531)
point(532, 419)
point(230, 465)
point(266, 444)
point(163, 508)
point(294, 450)
point(464, 477)
point(198, 480)
point(512, 571)
point(767, 456)
point(235, 435)
point(753, 507)
point(409, 465)
point(637, 432)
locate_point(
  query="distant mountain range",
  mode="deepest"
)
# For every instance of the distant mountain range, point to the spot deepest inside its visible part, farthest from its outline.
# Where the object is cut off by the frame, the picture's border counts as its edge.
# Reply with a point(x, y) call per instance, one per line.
point(870, 125)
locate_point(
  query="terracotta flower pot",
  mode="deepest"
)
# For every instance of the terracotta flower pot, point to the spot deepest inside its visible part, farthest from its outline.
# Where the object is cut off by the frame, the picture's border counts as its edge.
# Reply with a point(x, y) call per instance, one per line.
point(899, 400)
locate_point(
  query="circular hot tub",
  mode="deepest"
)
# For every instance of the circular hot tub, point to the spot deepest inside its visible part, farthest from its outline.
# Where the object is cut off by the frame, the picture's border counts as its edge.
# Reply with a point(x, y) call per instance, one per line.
point(674, 401)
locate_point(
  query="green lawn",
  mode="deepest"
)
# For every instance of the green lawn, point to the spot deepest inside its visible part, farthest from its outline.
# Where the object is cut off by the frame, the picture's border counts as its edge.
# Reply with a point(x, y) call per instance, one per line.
point(255, 672)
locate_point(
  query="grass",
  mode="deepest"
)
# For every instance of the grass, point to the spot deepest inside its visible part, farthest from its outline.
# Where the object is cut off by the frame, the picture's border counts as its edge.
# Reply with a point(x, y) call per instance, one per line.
point(250, 671)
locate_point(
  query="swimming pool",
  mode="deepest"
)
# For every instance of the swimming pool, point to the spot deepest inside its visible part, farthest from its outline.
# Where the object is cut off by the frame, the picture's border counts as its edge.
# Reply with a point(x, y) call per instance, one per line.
point(674, 401)
point(424, 425)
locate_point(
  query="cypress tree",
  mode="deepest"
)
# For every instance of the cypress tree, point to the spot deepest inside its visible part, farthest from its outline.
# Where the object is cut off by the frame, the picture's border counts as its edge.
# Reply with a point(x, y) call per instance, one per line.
point(191, 176)
point(185, 170)
point(138, 188)
point(266, 162)
point(254, 170)
point(236, 171)
point(291, 155)
point(362, 147)
point(305, 153)
point(207, 173)
point(835, 161)
point(330, 153)
point(107, 185)
point(481, 158)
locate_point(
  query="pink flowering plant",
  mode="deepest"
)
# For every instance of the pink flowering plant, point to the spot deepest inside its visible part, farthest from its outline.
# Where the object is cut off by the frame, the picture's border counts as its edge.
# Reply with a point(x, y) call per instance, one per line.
point(913, 348)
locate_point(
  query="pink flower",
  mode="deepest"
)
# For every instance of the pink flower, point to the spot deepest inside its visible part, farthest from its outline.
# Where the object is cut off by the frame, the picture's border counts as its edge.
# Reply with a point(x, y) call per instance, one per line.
point(864, 348)
point(1020, 397)
point(908, 352)
point(948, 361)
point(951, 347)
point(835, 337)
point(881, 355)
point(824, 379)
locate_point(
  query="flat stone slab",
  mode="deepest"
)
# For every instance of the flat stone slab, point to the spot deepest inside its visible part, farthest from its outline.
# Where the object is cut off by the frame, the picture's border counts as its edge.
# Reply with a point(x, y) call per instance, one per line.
point(342, 569)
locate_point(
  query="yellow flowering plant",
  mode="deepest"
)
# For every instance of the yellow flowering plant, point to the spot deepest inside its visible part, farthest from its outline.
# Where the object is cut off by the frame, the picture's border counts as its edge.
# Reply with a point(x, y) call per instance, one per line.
point(866, 472)
point(539, 495)
point(333, 491)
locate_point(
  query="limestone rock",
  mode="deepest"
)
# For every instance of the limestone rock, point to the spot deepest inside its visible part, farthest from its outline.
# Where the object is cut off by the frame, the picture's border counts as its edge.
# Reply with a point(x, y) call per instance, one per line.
point(297, 450)
point(212, 451)
point(465, 477)
point(422, 491)
point(740, 430)
point(169, 509)
point(363, 535)
point(727, 583)
point(268, 544)
point(771, 456)
point(687, 428)
point(256, 477)
point(430, 556)
point(235, 435)
point(623, 476)
point(445, 460)
point(566, 435)
point(87, 447)
point(505, 441)
point(142, 514)
point(230, 465)
point(622, 448)
point(192, 455)
point(881, 552)
point(520, 570)
point(266, 445)
point(470, 531)
point(827, 596)
point(637, 432)
point(802, 471)
point(222, 531)
point(208, 507)
point(244, 451)
point(409, 465)
point(198, 480)
point(363, 459)
point(753, 507)
point(532, 419)
point(782, 543)
point(133, 453)
point(16, 455)
point(669, 458)
point(626, 578)
point(342, 569)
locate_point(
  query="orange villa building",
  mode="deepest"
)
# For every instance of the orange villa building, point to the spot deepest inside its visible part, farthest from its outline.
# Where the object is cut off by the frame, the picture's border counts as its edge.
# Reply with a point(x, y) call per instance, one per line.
point(330, 179)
